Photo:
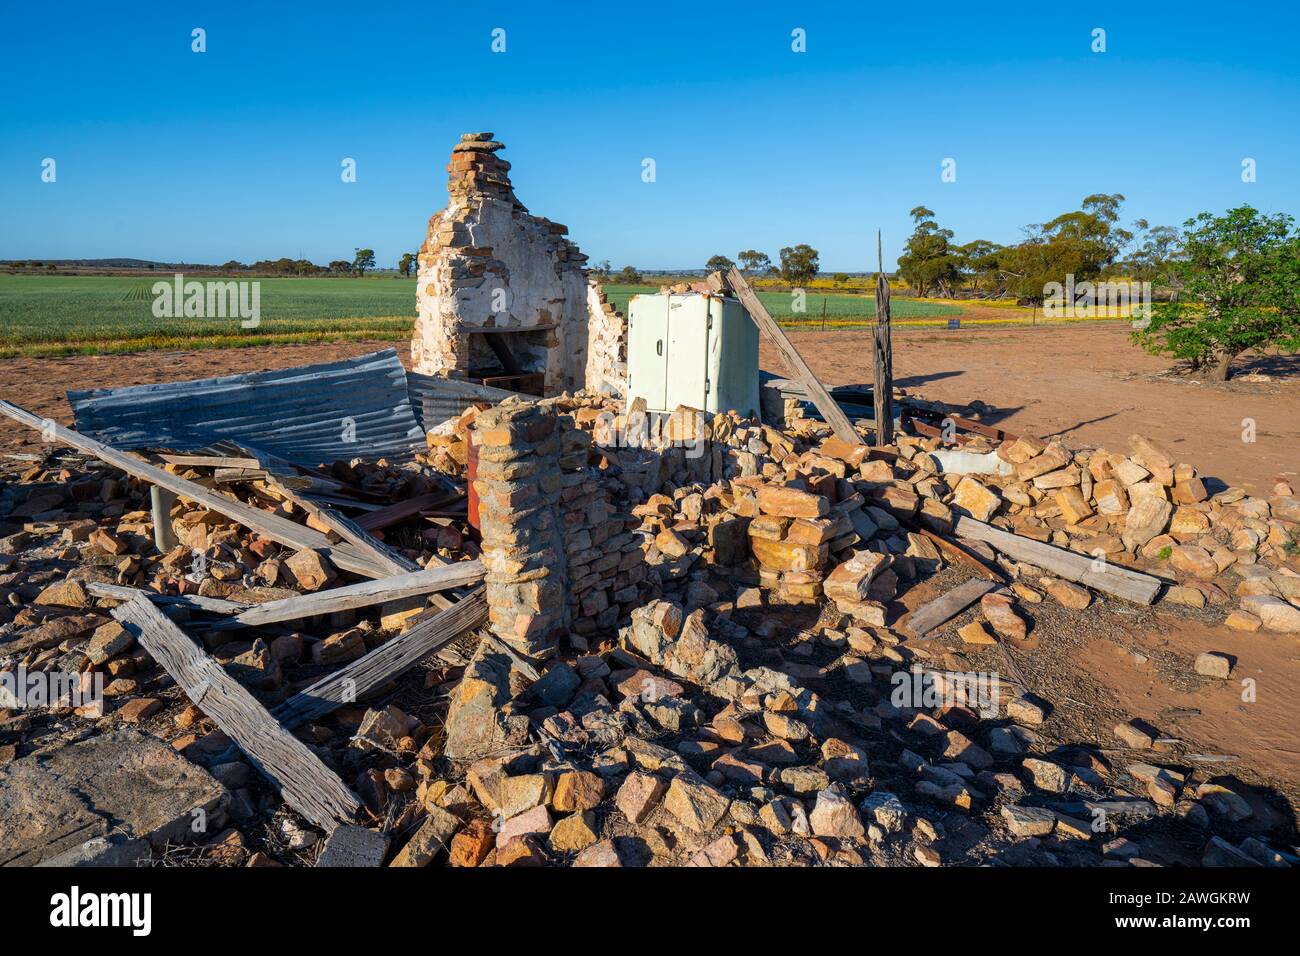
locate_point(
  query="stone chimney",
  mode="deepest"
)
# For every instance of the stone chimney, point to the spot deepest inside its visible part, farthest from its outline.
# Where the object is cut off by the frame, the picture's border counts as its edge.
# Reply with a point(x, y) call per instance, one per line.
point(498, 287)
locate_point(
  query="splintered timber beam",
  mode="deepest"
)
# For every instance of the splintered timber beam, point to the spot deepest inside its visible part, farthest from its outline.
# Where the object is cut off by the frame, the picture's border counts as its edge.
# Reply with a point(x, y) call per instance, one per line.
point(278, 529)
point(829, 408)
point(306, 784)
point(362, 594)
point(193, 602)
point(1082, 569)
point(353, 681)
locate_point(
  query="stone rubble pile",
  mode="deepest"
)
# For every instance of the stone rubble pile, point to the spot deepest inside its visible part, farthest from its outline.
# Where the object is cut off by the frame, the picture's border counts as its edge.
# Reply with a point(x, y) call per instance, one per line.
point(697, 659)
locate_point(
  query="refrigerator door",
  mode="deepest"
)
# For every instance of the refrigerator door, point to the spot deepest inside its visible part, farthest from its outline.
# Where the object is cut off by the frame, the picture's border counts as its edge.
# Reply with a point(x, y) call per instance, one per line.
point(688, 344)
point(647, 350)
point(733, 359)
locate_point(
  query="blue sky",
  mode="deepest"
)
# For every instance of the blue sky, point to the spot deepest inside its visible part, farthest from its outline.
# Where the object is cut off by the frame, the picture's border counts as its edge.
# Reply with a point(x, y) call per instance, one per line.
point(163, 153)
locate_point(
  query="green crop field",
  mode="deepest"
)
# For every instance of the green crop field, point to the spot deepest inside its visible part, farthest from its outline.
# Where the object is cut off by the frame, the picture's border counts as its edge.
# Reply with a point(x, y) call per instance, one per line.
point(841, 311)
point(54, 315)
point(68, 314)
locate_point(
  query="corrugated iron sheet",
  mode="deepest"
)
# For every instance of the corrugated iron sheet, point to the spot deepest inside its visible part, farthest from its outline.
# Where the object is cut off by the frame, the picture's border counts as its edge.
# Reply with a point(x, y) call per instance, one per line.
point(437, 399)
point(310, 415)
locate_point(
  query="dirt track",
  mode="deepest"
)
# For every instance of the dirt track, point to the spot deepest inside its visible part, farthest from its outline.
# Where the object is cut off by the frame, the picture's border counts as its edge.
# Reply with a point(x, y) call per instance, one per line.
point(1086, 383)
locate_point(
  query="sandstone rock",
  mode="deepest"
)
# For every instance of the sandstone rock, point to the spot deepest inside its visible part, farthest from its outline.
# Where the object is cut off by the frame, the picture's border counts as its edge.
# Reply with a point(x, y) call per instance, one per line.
point(1187, 521)
point(1190, 559)
point(886, 809)
point(974, 633)
point(138, 709)
point(1025, 711)
point(475, 725)
point(1147, 517)
point(1074, 506)
point(339, 648)
point(353, 846)
point(1111, 497)
point(835, 816)
point(599, 854)
point(1028, 821)
point(1185, 596)
point(791, 502)
point(575, 832)
point(1153, 458)
point(638, 795)
point(557, 686)
point(471, 846)
point(311, 569)
point(695, 804)
point(1069, 595)
point(1134, 736)
point(65, 593)
point(577, 790)
point(1046, 775)
point(1224, 802)
point(1242, 621)
point(851, 580)
point(522, 851)
point(784, 556)
point(1212, 664)
point(999, 611)
point(536, 822)
point(723, 851)
point(1053, 457)
point(972, 498)
point(1274, 613)
point(1219, 852)
point(433, 836)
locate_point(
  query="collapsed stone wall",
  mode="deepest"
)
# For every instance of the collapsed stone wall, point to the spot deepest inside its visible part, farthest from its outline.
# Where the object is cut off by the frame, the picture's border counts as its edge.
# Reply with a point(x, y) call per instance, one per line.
point(572, 502)
point(487, 264)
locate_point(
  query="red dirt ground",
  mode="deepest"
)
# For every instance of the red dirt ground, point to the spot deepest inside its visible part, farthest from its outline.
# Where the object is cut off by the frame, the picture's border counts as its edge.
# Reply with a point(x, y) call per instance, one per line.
point(1087, 384)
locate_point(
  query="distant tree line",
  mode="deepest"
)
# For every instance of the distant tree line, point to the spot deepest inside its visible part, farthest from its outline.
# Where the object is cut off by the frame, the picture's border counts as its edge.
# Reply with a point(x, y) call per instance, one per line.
point(362, 259)
point(1088, 243)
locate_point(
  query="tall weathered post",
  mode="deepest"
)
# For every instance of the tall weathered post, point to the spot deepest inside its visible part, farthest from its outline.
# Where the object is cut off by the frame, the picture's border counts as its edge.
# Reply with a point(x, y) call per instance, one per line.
point(883, 389)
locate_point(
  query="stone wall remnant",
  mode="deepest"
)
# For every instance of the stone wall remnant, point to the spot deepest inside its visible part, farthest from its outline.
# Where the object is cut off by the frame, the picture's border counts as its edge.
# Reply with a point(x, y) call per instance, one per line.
point(488, 265)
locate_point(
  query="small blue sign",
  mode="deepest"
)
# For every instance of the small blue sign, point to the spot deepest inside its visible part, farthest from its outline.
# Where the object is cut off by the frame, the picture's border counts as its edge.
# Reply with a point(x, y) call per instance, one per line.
point(954, 323)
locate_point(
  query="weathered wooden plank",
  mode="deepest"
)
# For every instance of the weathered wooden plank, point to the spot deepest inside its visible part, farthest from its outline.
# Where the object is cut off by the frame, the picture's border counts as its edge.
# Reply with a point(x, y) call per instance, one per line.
point(195, 602)
point(362, 594)
point(353, 534)
point(210, 461)
point(399, 511)
point(1103, 575)
point(306, 784)
point(830, 410)
point(933, 613)
point(353, 681)
point(345, 529)
point(272, 526)
point(883, 387)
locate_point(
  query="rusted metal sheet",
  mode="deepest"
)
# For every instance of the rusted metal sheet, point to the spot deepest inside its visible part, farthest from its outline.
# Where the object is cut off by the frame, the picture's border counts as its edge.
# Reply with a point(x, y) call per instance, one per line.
point(435, 399)
point(309, 415)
